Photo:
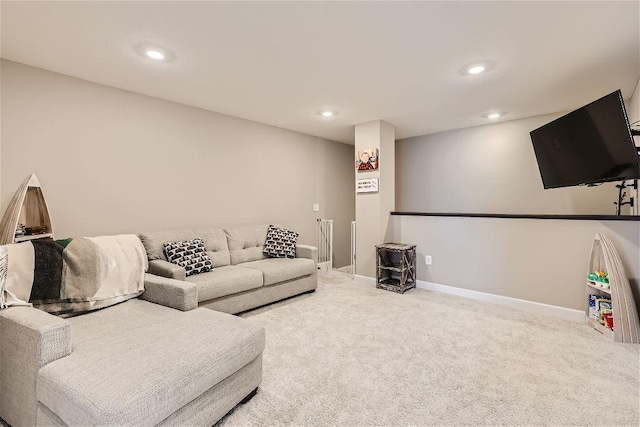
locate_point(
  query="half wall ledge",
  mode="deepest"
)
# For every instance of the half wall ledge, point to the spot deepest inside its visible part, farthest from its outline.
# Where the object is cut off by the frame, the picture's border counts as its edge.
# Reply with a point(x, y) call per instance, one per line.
point(525, 216)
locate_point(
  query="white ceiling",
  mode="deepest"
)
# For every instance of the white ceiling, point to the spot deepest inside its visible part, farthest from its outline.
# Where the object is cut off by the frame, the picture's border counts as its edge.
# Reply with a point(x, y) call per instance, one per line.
point(281, 62)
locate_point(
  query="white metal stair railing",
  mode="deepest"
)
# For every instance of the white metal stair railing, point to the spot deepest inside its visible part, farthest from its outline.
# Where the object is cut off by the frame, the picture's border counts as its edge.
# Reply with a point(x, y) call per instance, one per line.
point(353, 248)
point(325, 244)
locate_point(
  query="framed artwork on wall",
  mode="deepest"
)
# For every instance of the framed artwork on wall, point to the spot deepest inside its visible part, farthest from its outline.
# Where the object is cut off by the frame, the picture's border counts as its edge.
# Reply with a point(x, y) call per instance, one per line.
point(367, 185)
point(367, 160)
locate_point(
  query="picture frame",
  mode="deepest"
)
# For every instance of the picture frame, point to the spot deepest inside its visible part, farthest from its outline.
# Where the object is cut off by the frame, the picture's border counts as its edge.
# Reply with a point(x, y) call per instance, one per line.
point(367, 185)
point(367, 160)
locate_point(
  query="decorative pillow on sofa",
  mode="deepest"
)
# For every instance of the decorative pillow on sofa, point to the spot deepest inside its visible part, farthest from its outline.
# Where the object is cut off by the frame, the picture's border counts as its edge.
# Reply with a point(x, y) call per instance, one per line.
point(72, 276)
point(280, 243)
point(190, 255)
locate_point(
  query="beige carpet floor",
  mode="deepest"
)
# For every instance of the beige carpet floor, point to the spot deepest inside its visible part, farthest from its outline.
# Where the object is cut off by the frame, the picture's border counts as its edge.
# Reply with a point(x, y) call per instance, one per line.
point(353, 355)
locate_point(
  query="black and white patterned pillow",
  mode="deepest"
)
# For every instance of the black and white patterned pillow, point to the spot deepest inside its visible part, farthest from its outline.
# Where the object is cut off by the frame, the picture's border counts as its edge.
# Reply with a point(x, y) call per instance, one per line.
point(280, 243)
point(190, 255)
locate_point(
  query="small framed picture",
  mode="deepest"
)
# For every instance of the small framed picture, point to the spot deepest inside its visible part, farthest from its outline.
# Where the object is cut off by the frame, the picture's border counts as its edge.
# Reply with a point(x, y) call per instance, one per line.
point(367, 185)
point(367, 160)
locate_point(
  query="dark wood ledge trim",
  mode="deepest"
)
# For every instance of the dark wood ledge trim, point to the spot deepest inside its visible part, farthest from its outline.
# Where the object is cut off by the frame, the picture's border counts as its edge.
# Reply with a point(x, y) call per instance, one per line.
point(525, 216)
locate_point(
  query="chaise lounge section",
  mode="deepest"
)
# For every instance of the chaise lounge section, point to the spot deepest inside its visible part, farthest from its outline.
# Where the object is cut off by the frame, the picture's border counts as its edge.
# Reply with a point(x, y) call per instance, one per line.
point(243, 278)
point(139, 362)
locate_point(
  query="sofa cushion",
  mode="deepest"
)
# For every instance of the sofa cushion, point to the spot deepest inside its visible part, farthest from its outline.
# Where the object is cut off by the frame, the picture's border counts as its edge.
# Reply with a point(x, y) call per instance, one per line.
point(276, 270)
point(246, 243)
point(188, 254)
point(138, 362)
point(225, 281)
point(280, 243)
point(215, 241)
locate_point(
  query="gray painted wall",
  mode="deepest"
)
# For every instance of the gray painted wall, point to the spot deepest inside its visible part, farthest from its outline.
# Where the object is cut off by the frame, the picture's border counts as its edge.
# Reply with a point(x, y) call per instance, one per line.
point(112, 161)
point(487, 169)
point(373, 209)
point(493, 169)
point(536, 260)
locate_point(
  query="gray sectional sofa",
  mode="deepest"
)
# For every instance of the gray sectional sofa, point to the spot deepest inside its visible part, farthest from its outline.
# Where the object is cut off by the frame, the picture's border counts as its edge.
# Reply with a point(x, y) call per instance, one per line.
point(157, 359)
point(242, 277)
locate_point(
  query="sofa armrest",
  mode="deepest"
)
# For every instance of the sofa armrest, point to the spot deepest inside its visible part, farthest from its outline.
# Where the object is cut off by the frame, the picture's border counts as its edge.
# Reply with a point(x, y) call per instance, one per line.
point(29, 339)
point(170, 292)
point(163, 268)
point(306, 251)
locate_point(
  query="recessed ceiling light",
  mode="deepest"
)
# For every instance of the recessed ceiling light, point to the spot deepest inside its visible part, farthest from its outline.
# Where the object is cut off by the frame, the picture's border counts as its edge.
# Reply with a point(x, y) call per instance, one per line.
point(494, 116)
point(476, 69)
point(327, 114)
point(155, 54)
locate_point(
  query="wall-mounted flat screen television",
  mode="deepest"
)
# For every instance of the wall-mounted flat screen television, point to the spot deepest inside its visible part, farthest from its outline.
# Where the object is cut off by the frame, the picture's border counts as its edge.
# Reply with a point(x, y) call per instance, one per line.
point(590, 145)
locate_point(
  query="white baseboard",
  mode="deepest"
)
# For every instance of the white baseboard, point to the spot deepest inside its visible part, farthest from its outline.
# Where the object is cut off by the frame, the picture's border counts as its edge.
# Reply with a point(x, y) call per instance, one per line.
point(521, 304)
point(366, 279)
point(531, 306)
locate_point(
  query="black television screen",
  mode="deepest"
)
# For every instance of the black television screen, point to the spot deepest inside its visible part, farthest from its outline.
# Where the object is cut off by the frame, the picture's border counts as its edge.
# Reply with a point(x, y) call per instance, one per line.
point(590, 145)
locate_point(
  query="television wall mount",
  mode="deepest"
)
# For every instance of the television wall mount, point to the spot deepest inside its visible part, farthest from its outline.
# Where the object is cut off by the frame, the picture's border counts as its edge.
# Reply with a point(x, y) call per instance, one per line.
point(622, 194)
